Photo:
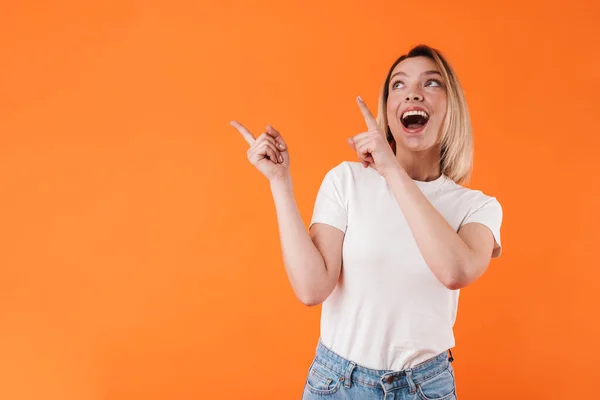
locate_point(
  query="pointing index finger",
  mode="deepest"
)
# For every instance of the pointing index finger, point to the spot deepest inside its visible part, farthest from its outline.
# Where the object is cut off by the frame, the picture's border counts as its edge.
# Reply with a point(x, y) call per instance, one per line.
point(249, 137)
point(369, 119)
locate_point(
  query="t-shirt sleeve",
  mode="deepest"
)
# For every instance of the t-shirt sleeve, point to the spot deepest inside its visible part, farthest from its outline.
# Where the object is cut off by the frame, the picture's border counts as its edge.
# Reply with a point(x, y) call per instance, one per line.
point(330, 205)
point(488, 213)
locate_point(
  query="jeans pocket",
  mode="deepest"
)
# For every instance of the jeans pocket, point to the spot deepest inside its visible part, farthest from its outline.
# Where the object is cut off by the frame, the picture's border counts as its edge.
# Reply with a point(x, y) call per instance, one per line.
point(321, 380)
point(438, 387)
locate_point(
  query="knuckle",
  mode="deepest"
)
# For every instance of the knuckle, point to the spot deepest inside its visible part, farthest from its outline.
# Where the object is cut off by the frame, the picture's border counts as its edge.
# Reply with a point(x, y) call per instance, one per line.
point(264, 137)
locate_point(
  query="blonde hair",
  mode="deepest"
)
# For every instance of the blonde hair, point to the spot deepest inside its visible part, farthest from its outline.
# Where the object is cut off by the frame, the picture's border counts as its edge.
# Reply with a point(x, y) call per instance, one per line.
point(456, 160)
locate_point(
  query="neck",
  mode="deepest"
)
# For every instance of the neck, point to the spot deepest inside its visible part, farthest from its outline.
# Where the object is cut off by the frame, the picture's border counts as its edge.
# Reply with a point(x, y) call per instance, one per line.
point(420, 165)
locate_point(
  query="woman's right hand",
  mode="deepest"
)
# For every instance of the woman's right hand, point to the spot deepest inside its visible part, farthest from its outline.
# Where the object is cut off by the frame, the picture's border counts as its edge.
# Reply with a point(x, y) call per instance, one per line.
point(268, 153)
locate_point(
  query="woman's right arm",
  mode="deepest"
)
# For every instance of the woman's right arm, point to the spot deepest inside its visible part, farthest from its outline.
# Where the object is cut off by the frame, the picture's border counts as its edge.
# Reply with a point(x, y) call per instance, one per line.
point(313, 261)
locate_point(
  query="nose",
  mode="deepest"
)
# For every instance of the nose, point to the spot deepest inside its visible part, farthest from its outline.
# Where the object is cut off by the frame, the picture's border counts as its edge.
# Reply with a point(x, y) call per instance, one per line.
point(414, 97)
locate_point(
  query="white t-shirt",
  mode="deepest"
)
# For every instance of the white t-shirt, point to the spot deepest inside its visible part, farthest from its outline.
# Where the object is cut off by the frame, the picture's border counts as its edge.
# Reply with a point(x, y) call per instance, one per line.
point(388, 310)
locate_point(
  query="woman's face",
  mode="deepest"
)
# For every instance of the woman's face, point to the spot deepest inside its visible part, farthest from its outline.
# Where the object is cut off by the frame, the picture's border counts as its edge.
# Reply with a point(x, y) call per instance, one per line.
point(416, 104)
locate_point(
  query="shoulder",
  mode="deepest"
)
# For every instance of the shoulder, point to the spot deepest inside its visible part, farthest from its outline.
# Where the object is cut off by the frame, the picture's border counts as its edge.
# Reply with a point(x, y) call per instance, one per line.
point(471, 205)
point(353, 171)
point(344, 168)
point(350, 178)
point(472, 197)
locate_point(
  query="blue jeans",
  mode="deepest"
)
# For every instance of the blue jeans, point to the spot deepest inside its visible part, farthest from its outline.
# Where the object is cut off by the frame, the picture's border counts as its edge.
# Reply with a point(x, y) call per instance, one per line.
point(333, 377)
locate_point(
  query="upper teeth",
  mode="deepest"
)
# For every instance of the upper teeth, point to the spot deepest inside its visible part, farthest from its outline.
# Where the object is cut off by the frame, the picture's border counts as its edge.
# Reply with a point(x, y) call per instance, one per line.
point(415, 112)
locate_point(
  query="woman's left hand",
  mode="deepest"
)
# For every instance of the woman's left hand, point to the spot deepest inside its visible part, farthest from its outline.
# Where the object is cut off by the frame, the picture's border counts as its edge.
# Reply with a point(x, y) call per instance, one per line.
point(372, 146)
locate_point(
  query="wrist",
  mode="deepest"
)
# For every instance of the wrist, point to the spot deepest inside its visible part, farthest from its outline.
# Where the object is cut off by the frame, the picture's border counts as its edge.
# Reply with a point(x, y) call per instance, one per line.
point(281, 182)
point(394, 171)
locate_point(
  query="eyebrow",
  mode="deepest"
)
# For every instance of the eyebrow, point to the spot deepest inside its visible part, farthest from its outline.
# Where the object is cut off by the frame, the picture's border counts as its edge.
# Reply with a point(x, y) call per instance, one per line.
point(430, 72)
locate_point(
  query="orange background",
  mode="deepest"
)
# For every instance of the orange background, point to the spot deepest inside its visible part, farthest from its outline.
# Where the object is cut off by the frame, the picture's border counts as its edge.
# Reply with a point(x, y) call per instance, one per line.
point(139, 250)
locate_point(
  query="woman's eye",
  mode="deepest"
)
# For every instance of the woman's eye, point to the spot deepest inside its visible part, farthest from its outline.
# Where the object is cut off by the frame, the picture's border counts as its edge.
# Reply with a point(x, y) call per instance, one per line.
point(433, 82)
point(397, 84)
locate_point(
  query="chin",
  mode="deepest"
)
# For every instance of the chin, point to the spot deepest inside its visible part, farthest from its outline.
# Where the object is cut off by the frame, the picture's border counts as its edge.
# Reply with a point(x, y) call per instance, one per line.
point(414, 141)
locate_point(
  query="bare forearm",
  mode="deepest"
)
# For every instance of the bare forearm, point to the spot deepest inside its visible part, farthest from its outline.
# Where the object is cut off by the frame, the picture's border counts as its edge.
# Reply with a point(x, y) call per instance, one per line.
point(303, 262)
point(444, 251)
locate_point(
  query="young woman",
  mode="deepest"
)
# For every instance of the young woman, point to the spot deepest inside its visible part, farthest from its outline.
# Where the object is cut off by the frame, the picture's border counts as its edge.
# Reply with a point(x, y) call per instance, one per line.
point(392, 239)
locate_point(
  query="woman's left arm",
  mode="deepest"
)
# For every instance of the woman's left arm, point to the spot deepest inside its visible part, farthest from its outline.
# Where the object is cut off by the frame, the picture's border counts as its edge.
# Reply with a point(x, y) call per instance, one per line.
point(456, 259)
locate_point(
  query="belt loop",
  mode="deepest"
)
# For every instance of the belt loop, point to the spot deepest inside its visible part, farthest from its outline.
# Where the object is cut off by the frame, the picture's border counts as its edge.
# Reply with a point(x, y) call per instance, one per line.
point(348, 376)
point(411, 383)
point(451, 357)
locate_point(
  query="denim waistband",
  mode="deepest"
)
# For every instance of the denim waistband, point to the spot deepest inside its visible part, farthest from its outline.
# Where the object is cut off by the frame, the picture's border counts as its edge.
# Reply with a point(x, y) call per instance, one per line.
point(387, 379)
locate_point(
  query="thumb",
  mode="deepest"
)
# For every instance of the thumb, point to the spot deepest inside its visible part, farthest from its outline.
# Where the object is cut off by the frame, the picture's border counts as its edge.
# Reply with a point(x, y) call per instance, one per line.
point(274, 133)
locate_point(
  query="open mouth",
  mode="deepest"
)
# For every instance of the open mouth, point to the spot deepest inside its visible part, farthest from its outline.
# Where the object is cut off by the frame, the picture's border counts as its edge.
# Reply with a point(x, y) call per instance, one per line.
point(414, 119)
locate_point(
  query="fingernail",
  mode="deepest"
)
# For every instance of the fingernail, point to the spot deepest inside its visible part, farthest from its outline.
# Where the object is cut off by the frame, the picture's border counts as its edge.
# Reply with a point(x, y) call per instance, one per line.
point(280, 159)
point(268, 126)
point(281, 146)
point(359, 98)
